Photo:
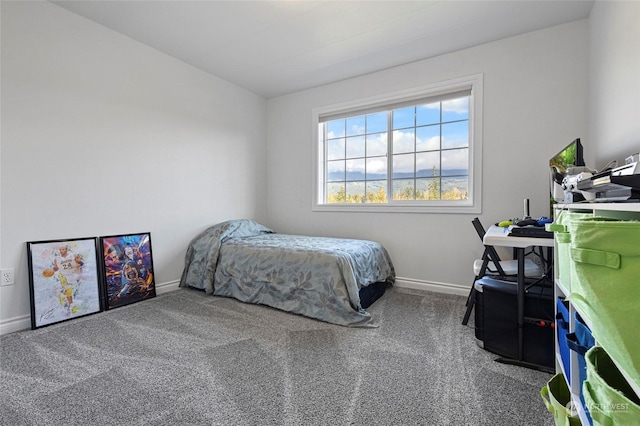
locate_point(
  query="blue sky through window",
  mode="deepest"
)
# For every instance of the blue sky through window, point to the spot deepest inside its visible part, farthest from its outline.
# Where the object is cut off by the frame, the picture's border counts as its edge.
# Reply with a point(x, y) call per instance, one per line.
point(424, 138)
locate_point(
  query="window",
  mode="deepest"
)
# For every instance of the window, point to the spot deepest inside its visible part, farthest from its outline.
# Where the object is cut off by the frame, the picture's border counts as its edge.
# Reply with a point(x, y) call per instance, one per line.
point(415, 150)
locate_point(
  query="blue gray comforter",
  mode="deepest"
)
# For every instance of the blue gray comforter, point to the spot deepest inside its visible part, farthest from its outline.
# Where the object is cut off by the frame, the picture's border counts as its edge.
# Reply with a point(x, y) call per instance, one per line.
point(313, 276)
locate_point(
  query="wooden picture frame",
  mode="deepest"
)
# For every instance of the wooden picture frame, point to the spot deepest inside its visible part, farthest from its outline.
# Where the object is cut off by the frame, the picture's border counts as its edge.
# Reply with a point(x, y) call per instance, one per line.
point(127, 268)
point(64, 280)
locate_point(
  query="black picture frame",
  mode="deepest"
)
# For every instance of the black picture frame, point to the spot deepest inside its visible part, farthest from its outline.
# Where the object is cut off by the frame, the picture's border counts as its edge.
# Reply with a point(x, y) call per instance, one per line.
point(127, 269)
point(64, 280)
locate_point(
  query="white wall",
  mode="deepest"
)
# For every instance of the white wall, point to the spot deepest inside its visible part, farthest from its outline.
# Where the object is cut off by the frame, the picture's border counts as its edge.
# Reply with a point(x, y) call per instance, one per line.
point(101, 135)
point(147, 143)
point(535, 95)
point(614, 87)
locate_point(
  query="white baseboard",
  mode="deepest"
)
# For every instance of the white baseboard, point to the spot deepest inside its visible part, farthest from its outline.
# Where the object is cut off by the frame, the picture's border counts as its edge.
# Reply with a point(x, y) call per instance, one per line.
point(167, 287)
point(400, 282)
point(12, 325)
point(432, 286)
point(21, 323)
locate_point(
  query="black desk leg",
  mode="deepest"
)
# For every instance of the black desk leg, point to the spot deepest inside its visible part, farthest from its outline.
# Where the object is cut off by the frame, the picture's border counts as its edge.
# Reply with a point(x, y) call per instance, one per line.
point(520, 299)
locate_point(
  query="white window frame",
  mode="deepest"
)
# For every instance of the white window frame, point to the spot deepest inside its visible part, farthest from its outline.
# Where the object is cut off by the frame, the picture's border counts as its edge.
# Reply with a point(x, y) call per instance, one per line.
point(471, 205)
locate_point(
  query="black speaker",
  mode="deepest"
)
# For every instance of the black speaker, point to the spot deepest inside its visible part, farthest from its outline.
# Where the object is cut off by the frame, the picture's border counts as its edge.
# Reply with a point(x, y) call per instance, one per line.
point(496, 320)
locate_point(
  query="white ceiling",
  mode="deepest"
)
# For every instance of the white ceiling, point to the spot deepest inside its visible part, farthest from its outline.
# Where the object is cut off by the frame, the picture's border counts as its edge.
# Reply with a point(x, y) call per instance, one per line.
point(276, 47)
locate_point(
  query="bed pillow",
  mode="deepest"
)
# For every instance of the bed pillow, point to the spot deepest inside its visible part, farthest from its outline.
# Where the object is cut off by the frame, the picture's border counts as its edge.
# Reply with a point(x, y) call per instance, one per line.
point(247, 228)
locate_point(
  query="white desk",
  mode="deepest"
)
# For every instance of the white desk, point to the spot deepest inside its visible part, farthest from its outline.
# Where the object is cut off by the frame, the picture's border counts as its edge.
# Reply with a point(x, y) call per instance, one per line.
point(499, 236)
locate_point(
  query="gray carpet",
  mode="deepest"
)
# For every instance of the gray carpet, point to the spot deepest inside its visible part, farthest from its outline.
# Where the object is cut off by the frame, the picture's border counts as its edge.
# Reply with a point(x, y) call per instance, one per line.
point(186, 358)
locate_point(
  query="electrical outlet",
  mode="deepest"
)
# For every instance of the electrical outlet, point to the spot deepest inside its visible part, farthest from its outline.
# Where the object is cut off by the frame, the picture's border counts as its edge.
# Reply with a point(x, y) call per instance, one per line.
point(7, 277)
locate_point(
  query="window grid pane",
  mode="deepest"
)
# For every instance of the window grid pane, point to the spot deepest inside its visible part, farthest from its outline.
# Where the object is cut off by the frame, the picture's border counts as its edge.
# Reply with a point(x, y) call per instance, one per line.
point(428, 157)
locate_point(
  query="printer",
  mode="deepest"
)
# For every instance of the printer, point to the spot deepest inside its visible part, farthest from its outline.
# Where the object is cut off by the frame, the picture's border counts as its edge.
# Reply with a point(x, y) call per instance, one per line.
point(614, 185)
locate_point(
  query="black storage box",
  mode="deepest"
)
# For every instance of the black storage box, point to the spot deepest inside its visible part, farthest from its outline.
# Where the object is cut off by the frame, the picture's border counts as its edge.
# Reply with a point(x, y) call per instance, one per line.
point(496, 320)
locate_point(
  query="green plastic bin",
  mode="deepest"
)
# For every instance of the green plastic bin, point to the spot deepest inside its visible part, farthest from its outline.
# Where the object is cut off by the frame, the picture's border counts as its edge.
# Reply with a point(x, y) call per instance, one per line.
point(605, 285)
point(562, 233)
point(557, 399)
point(609, 397)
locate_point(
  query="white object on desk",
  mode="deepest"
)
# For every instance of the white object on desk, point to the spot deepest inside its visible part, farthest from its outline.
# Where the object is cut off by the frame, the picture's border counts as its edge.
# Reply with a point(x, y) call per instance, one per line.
point(510, 267)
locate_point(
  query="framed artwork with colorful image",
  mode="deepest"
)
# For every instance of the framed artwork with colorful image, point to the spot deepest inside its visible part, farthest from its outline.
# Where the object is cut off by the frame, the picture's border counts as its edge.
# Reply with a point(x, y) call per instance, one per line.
point(64, 280)
point(127, 267)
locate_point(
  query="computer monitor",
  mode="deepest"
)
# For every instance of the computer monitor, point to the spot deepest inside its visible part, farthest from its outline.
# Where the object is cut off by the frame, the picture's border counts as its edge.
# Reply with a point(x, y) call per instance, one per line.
point(560, 165)
point(570, 156)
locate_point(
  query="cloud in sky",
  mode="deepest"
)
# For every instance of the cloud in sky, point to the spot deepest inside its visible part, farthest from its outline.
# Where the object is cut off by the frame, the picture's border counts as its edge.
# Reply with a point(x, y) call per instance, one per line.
point(458, 106)
point(455, 159)
point(377, 165)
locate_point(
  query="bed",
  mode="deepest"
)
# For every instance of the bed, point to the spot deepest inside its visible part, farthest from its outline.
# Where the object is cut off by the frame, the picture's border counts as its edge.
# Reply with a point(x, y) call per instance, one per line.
point(330, 279)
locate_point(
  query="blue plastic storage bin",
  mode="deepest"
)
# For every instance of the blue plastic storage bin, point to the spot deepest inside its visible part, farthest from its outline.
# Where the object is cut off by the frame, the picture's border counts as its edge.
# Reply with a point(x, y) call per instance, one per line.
point(583, 333)
point(562, 329)
point(580, 341)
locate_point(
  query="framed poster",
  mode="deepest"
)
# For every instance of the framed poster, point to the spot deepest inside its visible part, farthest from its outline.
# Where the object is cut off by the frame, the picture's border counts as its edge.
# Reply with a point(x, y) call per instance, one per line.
point(64, 280)
point(127, 269)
